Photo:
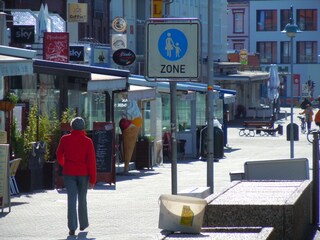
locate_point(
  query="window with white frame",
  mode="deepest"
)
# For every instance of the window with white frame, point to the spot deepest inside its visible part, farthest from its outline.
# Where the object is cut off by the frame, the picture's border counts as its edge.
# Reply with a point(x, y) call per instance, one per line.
point(238, 20)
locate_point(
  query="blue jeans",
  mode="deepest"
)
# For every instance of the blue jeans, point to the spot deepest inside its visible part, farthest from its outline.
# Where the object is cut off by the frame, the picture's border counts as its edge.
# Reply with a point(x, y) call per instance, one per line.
point(77, 187)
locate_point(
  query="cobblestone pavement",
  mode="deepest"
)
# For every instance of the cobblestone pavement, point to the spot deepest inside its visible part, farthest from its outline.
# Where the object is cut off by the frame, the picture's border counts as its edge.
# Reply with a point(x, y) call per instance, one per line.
point(129, 210)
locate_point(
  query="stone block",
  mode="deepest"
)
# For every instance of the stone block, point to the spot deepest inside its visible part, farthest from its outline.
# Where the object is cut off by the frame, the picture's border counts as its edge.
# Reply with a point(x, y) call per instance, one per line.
point(251, 233)
point(283, 205)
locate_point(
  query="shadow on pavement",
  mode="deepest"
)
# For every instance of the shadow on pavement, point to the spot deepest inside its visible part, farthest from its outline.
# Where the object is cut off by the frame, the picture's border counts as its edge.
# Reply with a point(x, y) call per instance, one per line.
point(230, 150)
point(81, 235)
point(136, 174)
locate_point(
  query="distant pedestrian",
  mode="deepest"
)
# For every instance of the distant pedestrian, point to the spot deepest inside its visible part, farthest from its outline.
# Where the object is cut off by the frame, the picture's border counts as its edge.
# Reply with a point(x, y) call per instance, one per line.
point(317, 118)
point(76, 155)
point(308, 116)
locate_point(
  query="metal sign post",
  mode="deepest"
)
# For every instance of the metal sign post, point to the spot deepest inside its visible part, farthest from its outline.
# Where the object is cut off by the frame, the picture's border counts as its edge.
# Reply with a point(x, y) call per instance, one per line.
point(210, 110)
point(172, 55)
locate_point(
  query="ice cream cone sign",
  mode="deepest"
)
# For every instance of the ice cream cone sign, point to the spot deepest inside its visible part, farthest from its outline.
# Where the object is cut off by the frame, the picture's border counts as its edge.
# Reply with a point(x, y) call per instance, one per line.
point(130, 125)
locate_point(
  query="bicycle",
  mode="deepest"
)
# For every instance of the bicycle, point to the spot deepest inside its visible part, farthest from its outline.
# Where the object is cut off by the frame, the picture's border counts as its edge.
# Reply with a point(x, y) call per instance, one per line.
point(302, 124)
point(248, 132)
point(310, 134)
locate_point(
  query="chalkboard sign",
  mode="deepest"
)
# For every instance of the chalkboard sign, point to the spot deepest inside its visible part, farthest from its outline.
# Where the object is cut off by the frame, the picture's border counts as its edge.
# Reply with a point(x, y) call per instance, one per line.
point(102, 136)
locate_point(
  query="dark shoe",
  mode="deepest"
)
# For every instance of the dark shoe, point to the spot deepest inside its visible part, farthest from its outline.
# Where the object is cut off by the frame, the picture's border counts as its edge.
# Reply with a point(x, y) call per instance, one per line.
point(71, 232)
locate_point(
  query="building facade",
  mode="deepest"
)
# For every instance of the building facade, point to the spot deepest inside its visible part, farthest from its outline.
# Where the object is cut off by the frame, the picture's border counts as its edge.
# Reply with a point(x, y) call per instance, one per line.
point(262, 35)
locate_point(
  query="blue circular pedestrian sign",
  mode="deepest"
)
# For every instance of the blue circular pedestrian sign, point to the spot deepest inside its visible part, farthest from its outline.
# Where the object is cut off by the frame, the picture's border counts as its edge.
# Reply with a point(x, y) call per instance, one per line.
point(172, 44)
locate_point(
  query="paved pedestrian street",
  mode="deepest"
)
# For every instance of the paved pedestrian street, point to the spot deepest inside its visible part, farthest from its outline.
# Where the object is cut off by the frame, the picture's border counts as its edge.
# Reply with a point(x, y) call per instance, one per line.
point(129, 210)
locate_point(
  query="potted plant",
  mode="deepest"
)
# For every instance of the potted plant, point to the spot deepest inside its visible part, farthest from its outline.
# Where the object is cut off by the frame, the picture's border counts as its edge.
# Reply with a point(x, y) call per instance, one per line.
point(9, 101)
point(33, 146)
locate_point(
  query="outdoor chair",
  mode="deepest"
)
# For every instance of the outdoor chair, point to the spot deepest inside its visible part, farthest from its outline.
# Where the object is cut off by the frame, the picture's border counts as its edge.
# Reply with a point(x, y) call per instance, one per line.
point(14, 164)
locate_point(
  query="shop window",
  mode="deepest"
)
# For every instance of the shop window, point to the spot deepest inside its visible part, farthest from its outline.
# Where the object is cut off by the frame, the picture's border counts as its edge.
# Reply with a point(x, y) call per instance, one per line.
point(201, 116)
point(166, 113)
point(183, 112)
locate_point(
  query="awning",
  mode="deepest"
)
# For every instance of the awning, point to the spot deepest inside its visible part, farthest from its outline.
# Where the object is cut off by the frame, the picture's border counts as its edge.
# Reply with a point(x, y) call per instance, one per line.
point(141, 93)
point(99, 78)
point(244, 76)
point(181, 86)
point(99, 82)
point(229, 98)
point(15, 61)
point(14, 66)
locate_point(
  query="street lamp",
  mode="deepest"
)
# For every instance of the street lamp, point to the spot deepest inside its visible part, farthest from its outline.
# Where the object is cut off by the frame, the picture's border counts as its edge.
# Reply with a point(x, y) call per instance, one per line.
point(291, 29)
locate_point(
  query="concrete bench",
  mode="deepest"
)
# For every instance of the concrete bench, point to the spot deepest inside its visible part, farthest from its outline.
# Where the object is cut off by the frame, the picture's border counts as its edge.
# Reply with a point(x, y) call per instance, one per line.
point(279, 169)
point(282, 205)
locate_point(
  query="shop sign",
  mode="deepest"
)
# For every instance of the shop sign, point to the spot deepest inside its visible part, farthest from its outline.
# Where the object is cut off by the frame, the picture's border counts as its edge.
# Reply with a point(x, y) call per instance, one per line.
point(100, 56)
point(119, 41)
point(243, 57)
point(56, 46)
point(22, 34)
point(76, 53)
point(124, 57)
point(157, 9)
point(78, 12)
point(119, 24)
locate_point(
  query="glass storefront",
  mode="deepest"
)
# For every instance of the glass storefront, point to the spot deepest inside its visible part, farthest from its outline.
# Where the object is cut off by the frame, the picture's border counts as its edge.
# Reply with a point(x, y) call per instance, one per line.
point(185, 110)
point(45, 91)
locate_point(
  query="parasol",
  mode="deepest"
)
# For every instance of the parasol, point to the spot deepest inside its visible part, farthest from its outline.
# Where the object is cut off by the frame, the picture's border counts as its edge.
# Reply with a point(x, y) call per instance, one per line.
point(274, 82)
point(42, 22)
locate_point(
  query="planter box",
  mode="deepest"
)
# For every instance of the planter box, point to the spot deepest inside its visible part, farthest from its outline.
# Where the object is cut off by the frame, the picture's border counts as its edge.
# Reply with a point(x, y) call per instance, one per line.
point(29, 180)
point(6, 106)
point(49, 175)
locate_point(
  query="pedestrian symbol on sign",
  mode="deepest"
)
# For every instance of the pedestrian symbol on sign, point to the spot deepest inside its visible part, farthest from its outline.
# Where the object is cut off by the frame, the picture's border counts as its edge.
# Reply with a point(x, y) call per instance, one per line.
point(172, 44)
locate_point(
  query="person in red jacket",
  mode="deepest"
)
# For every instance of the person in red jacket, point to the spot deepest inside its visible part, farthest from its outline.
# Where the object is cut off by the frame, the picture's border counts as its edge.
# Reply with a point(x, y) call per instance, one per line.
point(76, 155)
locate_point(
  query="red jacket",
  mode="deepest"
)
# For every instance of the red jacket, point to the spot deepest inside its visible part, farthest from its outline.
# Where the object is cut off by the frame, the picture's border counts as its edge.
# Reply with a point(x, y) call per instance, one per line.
point(77, 156)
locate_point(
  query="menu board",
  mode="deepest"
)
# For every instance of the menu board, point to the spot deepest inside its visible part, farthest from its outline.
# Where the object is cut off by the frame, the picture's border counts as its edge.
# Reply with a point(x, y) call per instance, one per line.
point(4, 161)
point(102, 136)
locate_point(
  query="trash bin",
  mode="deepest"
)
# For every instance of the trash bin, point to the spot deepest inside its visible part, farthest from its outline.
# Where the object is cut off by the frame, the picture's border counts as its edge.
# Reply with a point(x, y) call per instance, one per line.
point(218, 143)
point(144, 153)
point(181, 148)
point(280, 129)
point(295, 132)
